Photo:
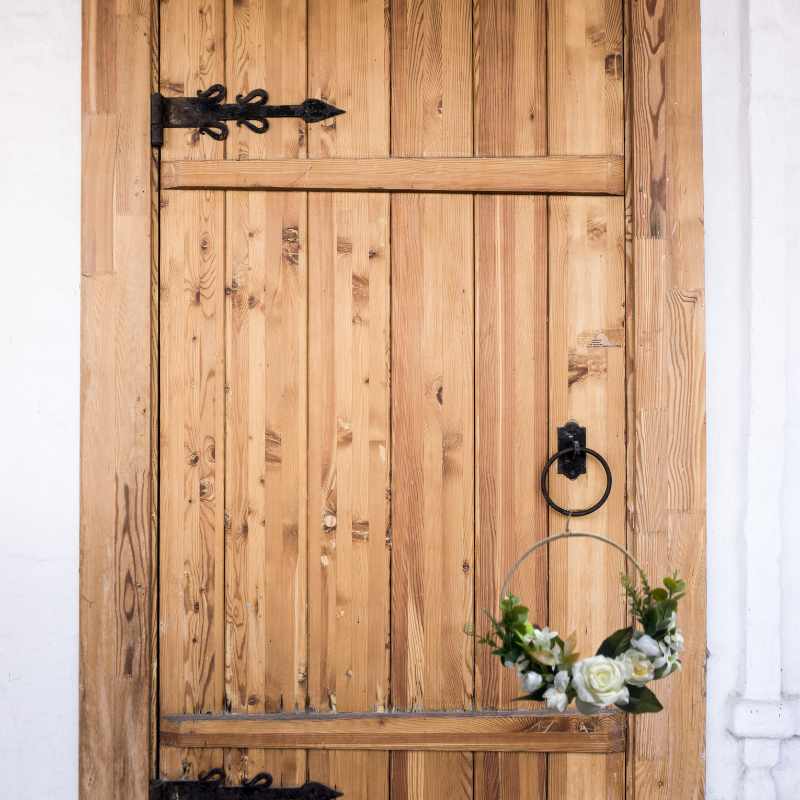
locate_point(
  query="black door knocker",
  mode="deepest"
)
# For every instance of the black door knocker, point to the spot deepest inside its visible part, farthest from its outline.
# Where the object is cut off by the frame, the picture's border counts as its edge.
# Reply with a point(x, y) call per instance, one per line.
point(571, 455)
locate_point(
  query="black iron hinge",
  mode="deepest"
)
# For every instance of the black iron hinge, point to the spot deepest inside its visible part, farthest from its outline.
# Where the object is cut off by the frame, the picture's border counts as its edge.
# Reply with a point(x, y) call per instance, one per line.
point(207, 112)
point(211, 786)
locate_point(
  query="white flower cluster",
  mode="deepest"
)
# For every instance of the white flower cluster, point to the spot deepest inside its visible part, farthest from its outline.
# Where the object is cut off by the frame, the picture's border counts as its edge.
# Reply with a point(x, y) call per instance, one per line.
point(598, 681)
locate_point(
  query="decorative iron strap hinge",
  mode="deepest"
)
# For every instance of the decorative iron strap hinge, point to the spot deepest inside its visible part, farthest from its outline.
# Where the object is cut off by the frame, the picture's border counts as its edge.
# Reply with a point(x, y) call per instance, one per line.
point(212, 785)
point(207, 112)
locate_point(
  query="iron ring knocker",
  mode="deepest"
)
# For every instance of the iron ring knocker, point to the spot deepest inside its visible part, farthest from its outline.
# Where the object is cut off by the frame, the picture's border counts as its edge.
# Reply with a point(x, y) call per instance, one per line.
point(565, 452)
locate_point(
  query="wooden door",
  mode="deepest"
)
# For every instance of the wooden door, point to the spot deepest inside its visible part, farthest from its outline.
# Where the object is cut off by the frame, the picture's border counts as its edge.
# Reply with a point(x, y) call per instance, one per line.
point(363, 365)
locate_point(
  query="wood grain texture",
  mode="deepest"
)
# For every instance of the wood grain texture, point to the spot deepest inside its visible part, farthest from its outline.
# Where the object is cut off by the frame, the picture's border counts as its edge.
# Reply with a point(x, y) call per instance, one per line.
point(349, 435)
point(287, 767)
point(433, 470)
point(191, 648)
point(510, 74)
point(266, 296)
point(630, 351)
point(431, 78)
point(348, 60)
point(649, 118)
point(116, 538)
point(555, 174)
point(265, 48)
point(356, 773)
point(349, 453)
point(192, 60)
point(497, 731)
point(587, 384)
point(669, 500)
point(511, 443)
point(585, 77)
point(433, 355)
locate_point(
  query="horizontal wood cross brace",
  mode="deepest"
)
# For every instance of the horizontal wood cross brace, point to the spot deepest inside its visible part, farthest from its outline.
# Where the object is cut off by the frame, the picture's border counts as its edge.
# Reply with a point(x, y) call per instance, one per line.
point(546, 175)
point(510, 731)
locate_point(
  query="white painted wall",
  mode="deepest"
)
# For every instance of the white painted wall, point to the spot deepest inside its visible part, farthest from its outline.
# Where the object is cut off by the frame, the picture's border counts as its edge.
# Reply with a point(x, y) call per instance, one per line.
point(751, 93)
point(751, 121)
point(39, 397)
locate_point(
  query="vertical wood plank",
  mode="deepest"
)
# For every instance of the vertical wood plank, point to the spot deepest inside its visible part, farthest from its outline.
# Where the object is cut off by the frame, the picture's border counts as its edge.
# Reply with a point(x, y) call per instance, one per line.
point(630, 348)
point(511, 350)
point(116, 580)
point(510, 64)
point(432, 78)
point(584, 76)
point(433, 469)
point(357, 773)
point(249, 239)
point(433, 394)
point(192, 445)
point(670, 372)
point(349, 452)
point(266, 288)
point(587, 384)
point(349, 437)
point(192, 60)
point(649, 118)
point(587, 341)
point(511, 443)
point(265, 48)
point(349, 68)
point(417, 775)
point(287, 767)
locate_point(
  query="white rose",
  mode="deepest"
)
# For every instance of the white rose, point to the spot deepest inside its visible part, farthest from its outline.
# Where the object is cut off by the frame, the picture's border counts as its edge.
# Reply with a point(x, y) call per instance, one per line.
point(530, 682)
point(641, 667)
point(556, 695)
point(646, 644)
point(600, 681)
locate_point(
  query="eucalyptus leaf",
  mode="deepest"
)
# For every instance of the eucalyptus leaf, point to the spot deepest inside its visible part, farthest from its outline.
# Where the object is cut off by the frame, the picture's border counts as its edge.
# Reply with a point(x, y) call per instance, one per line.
point(670, 584)
point(616, 644)
point(571, 643)
point(642, 701)
point(659, 594)
point(545, 657)
point(659, 673)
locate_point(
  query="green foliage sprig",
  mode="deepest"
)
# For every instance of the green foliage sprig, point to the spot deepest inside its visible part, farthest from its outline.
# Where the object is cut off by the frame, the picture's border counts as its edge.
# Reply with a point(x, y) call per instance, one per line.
point(653, 608)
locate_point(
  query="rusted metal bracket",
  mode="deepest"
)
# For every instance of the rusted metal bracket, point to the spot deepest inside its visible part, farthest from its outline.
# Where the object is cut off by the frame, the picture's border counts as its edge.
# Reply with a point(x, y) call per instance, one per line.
point(211, 786)
point(207, 112)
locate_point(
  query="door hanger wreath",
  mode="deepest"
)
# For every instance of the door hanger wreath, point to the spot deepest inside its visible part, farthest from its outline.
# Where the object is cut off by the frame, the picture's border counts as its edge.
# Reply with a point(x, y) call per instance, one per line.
point(549, 668)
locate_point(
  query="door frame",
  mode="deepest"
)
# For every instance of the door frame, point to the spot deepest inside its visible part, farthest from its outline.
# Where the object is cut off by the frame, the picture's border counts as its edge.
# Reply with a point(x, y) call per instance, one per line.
point(665, 319)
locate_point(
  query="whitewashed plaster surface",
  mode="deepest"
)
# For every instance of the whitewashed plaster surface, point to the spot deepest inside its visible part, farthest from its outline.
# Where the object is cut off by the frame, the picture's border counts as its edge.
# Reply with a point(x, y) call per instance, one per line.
point(39, 397)
point(751, 95)
point(751, 122)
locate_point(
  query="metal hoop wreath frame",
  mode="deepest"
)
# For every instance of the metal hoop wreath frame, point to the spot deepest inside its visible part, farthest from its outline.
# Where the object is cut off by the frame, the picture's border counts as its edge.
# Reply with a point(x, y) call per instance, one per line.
point(566, 534)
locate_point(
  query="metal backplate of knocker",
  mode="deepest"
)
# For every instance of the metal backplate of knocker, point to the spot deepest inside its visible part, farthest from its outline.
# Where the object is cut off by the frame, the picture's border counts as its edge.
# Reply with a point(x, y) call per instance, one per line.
point(208, 113)
point(211, 786)
point(574, 464)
